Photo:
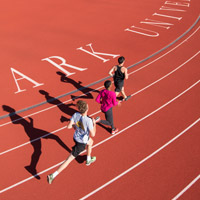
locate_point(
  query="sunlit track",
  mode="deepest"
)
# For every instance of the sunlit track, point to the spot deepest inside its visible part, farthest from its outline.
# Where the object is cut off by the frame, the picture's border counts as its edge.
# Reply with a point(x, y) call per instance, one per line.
point(186, 188)
point(55, 54)
point(131, 125)
point(55, 131)
point(142, 161)
point(43, 110)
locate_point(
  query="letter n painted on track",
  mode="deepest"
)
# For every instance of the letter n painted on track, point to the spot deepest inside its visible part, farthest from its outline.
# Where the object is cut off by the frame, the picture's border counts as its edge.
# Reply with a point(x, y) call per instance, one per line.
point(142, 31)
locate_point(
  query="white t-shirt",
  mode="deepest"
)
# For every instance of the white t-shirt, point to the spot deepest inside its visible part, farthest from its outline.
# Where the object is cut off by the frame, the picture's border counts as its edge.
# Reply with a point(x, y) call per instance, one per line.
point(83, 125)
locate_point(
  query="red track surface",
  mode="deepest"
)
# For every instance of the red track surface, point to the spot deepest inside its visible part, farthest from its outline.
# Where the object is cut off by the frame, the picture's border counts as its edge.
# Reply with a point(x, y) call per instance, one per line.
point(165, 99)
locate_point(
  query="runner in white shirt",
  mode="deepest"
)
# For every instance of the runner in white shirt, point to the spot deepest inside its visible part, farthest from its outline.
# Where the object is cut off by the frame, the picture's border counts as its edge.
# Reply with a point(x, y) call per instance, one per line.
point(84, 127)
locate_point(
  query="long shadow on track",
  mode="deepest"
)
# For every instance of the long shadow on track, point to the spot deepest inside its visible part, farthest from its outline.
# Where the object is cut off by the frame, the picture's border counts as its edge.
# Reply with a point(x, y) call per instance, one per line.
point(78, 85)
point(35, 135)
point(65, 108)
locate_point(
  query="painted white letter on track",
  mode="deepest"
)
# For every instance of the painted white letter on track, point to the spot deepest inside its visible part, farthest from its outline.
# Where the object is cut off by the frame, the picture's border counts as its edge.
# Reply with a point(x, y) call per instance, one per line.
point(23, 77)
point(157, 23)
point(63, 64)
point(145, 32)
point(167, 16)
point(95, 54)
point(171, 9)
point(177, 3)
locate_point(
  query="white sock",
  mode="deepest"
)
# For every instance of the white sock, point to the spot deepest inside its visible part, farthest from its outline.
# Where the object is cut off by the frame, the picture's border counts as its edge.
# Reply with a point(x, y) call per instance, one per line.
point(55, 174)
point(88, 158)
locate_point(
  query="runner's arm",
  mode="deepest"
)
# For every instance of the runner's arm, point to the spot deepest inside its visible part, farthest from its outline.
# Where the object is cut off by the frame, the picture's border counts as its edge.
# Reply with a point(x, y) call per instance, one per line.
point(111, 71)
point(114, 99)
point(98, 99)
point(70, 124)
point(126, 73)
point(93, 131)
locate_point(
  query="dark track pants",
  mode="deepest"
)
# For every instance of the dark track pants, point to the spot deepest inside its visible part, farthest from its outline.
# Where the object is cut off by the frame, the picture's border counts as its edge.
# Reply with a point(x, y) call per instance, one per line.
point(109, 118)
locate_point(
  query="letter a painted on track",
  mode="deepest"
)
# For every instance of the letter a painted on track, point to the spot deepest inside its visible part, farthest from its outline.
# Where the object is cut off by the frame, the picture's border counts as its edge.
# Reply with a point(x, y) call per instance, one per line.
point(63, 64)
point(23, 77)
point(95, 54)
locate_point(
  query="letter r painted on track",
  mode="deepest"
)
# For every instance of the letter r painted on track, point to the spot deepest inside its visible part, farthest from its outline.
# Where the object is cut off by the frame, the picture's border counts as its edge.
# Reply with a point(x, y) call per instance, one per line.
point(63, 64)
point(95, 54)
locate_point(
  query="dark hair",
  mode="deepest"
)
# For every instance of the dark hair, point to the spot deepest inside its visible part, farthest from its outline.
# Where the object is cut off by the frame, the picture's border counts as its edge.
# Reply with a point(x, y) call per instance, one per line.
point(82, 106)
point(107, 84)
point(121, 59)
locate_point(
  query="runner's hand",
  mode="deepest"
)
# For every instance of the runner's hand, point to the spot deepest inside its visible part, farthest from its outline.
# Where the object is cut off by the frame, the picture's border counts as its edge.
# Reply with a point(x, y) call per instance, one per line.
point(119, 103)
point(94, 121)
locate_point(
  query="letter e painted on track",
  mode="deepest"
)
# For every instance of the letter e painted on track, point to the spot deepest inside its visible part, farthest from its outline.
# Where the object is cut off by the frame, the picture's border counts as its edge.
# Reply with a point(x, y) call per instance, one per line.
point(175, 3)
point(36, 84)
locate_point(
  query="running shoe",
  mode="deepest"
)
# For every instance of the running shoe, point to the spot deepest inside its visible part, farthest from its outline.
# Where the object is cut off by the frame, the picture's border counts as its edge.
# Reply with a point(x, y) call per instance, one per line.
point(98, 119)
point(114, 131)
point(93, 159)
point(50, 178)
point(127, 98)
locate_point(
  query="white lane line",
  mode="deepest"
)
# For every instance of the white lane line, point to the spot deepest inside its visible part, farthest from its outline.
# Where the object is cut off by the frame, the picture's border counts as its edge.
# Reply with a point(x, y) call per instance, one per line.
point(21, 145)
point(1, 125)
point(139, 163)
point(43, 110)
point(6, 151)
point(105, 140)
point(166, 52)
point(167, 74)
point(187, 187)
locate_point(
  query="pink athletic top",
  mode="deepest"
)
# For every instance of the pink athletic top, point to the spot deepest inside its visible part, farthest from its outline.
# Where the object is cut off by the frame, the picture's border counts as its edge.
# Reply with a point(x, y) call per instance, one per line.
point(107, 99)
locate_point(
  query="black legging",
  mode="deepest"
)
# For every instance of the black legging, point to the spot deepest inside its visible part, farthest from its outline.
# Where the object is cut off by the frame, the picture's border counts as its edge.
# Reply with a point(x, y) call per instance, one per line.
point(109, 118)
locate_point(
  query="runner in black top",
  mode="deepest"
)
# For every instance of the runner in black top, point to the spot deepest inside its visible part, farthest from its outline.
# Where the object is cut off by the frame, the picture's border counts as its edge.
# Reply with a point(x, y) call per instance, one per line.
point(120, 73)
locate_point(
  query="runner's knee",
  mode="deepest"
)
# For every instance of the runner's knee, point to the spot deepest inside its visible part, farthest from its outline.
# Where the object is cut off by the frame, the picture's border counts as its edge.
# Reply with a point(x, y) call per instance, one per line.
point(90, 142)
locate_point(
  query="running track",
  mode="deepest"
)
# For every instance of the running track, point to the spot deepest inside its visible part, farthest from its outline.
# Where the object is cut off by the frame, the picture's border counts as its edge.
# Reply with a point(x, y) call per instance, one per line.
point(155, 155)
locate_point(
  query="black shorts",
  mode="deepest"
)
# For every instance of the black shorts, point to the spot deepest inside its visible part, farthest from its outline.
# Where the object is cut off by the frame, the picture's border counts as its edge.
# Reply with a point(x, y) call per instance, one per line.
point(77, 148)
point(118, 85)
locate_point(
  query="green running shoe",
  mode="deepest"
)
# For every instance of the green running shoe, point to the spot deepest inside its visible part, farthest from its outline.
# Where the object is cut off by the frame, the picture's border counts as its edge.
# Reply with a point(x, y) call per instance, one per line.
point(50, 178)
point(93, 159)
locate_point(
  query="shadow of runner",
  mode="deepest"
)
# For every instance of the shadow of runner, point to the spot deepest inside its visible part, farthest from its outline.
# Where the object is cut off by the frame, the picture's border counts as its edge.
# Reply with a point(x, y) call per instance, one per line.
point(81, 158)
point(104, 127)
point(35, 136)
point(66, 108)
point(78, 85)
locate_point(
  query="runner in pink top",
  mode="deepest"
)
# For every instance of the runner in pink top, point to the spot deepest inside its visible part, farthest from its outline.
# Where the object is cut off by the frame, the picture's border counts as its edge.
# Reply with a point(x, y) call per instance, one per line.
point(107, 99)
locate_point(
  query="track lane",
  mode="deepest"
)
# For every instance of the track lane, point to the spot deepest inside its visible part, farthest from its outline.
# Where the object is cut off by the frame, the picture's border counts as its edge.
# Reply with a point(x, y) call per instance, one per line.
point(112, 146)
point(127, 105)
point(55, 89)
point(184, 194)
point(171, 50)
point(159, 176)
point(58, 150)
point(136, 82)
